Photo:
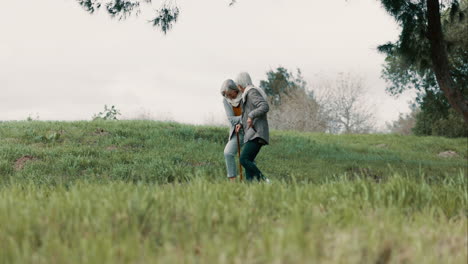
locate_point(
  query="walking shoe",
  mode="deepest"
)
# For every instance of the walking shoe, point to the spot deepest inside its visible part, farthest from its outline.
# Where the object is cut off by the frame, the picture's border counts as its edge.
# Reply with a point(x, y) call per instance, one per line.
point(262, 178)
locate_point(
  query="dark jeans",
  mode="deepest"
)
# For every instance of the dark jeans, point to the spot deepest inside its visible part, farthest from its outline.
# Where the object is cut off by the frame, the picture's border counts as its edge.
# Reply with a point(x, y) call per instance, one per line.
point(247, 157)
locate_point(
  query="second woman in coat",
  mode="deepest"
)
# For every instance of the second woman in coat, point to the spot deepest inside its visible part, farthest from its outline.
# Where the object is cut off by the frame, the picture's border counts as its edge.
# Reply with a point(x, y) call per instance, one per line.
point(255, 125)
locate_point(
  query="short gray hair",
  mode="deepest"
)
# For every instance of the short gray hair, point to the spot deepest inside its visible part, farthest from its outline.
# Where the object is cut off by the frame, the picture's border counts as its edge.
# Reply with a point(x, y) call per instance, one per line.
point(243, 79)
point(228, 85)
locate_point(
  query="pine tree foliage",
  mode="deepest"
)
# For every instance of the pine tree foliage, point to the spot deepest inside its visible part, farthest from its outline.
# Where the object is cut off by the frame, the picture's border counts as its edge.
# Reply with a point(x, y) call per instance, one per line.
point(414, 60)
point(345, 105)
point(281, 82)
point(165, 18)
point(408, 64)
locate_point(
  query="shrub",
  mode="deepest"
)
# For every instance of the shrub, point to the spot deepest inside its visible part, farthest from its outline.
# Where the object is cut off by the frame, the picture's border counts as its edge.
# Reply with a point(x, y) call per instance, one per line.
point(108, 114)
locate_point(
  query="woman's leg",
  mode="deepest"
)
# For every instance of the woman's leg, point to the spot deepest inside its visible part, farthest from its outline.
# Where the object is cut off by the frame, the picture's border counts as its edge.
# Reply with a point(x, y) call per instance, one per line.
point(230, 152)
point(247, 158)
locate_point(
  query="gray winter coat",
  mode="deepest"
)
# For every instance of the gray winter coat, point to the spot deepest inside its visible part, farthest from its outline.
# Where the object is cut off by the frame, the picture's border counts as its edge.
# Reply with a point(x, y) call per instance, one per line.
point(255, 107)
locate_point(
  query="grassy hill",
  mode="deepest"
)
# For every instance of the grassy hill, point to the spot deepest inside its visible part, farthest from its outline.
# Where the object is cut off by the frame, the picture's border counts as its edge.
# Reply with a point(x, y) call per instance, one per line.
point(143, 192)
point(59, 152)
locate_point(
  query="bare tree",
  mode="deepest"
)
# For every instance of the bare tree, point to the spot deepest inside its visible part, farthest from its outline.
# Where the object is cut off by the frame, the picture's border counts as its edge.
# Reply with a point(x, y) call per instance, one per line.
point(298, 111)
point(292, 105)
point(405, 123)
point(345, 105)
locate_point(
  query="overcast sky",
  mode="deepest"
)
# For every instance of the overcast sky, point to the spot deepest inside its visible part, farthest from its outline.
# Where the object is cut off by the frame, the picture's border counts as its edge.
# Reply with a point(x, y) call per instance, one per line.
point(60, 63)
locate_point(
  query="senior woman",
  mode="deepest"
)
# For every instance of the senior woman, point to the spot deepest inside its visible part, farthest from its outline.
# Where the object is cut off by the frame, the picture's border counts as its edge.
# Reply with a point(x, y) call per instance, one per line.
point(255, 124)
point(232, 97)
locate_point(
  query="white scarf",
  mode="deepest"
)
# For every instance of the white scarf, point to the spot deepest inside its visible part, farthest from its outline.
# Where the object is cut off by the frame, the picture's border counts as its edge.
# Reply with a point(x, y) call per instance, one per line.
point(260, 90)
point(235, 102)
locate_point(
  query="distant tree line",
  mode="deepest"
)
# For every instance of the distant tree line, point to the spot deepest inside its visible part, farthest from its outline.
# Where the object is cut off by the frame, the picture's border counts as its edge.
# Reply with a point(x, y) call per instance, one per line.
point(430, 56)
point(339, 107)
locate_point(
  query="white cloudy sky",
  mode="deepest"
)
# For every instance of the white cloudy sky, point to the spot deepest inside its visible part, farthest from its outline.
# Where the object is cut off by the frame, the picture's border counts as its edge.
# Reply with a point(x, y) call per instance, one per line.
point(60, 63)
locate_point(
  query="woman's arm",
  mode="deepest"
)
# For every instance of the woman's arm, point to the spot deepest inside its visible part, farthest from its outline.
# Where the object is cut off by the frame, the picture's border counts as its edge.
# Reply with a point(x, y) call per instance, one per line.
point(234, 120)
point(261, 106)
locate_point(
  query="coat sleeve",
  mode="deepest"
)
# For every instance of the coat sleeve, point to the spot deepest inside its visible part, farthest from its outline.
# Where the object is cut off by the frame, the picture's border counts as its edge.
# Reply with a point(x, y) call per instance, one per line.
point(261, 106)
point(233, 120)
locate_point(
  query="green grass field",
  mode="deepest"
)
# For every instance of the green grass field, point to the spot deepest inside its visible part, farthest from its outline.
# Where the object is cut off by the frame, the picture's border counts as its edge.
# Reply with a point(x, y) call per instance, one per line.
point(153, 192)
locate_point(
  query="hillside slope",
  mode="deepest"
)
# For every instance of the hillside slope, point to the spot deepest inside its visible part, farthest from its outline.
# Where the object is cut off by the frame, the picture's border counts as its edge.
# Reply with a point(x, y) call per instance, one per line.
point(152, 192)
point(59, 152)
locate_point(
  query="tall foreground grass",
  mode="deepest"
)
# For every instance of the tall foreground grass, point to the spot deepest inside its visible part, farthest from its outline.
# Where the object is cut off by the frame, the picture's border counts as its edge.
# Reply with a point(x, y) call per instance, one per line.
point(147, 192)
point(400, 221)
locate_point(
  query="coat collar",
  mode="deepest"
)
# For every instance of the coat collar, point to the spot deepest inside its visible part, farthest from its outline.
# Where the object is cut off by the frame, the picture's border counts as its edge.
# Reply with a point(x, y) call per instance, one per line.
point(246, 91)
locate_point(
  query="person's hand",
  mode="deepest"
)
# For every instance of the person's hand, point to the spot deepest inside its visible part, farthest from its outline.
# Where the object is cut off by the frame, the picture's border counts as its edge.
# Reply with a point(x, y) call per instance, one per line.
point(238, 127)
point(249, 122)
